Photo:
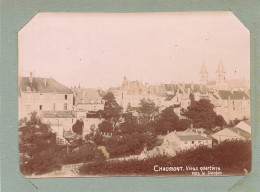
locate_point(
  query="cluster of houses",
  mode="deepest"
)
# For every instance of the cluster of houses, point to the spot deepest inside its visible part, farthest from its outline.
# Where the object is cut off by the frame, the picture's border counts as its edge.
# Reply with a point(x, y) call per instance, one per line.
point(191, 138)
point(61, 107)
point(58, 105)
point(231, 98)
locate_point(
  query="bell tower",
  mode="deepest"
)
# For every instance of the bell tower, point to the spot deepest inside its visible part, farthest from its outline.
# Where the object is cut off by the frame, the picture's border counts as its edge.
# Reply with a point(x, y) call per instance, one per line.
point(220, 75)
point(203, 74)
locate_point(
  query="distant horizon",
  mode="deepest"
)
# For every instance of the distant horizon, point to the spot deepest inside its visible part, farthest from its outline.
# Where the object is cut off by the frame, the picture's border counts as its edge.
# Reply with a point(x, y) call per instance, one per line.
point(98, 49)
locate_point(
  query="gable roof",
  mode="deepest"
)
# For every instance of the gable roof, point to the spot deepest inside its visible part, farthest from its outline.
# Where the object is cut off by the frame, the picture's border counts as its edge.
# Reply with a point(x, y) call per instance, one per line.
point(88, 94)
point(38, 85)
point(236, 95)
point(241, 132)
point(186, 136)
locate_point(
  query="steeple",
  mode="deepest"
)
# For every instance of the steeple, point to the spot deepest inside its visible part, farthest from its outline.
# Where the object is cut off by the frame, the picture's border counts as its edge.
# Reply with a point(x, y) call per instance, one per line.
point(220, 67)
point(203, 69)
point(221, 76)
point(203, 74)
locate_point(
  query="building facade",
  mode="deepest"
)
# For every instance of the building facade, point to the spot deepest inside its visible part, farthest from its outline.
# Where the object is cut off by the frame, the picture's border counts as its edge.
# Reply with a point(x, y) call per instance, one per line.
point(43, 94)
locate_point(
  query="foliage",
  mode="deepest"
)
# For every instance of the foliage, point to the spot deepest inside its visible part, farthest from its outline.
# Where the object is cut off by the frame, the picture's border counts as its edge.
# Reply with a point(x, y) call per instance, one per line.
point(112, 109)
point(234, 122)
point(37, 145)
point(147, 111)
point(129, 144)
point(183, 124)
point(220, 121)
point(105, 126)
point(221, 156)
point(202, 115)
point(85, 153)
point(168, 121)
point(98, 139)
point(78, 127)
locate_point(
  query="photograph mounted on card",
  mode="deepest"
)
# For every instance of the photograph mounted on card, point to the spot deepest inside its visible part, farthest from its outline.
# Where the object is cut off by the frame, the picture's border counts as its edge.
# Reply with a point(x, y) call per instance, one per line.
point(134, 94)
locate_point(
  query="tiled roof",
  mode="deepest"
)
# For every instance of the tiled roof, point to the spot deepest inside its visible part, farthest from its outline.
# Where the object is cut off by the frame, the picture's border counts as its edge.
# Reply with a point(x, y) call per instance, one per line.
point(38, 85)
point(236, 95)
point(87, 95)
point(58, 114)
point(241, 132)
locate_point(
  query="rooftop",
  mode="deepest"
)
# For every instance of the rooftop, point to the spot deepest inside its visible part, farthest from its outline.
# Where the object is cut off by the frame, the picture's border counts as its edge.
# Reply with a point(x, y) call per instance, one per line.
point(241, 132)
point(38, 85)
point(58, 114)
point(235, 95)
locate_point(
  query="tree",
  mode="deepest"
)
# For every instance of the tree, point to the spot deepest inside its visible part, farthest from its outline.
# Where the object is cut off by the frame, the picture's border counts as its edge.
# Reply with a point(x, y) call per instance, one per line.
point(220, 121)
point(192, 99)
point(168, 121)
point(147, 111)
point(105, 126)
point(112, 110)
point(202, 114)
point(128, 115)
point(78, 127)
point(183, 124)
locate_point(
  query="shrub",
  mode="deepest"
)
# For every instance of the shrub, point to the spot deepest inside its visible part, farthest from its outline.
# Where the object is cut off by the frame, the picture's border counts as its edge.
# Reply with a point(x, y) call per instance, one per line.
point(232, 157)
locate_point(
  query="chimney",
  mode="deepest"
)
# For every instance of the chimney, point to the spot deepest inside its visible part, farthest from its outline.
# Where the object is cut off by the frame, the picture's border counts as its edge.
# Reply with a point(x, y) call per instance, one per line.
point(174, 131)
point(31, 78)
point(191, 125)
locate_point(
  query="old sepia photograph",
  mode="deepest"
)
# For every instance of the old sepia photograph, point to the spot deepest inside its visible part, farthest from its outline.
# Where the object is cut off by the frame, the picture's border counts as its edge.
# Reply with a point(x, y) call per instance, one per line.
point(134, 94)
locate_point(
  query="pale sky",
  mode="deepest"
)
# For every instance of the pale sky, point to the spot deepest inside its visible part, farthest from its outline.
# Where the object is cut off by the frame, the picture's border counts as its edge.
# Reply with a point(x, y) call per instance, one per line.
point(99, 49)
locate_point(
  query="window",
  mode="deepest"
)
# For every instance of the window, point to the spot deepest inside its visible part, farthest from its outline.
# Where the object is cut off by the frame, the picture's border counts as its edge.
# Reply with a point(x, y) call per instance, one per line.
point(40, 107)
point(66, 97)
point(65, 106)
point(233, 102)
point(234, 108)
point(185, 142)
point(192, 142)
point(54, 106)
point(72, 120)
point(95, 108)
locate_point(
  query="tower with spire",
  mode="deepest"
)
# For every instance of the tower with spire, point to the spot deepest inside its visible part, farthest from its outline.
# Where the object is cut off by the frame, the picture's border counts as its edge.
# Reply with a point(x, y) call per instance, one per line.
point(220, 76)
point(203, 74)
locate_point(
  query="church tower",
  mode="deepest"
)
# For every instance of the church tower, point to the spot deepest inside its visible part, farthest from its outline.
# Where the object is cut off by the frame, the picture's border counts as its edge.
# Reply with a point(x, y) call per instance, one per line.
point(203, 74)
point(220, 76)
